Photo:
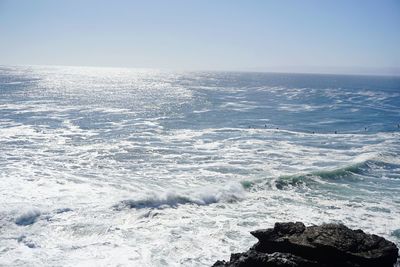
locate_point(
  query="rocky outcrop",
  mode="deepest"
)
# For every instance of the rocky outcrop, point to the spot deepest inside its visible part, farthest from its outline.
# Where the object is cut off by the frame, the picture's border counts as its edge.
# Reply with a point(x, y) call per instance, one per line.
point(328, 245)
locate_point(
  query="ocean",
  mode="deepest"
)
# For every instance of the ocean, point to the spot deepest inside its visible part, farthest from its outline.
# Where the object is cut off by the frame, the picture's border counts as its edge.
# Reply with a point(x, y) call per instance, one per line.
point(138, 167)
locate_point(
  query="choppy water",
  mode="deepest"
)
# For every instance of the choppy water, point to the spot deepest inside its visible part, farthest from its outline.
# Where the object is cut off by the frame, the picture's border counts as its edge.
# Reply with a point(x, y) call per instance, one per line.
point(150, 168)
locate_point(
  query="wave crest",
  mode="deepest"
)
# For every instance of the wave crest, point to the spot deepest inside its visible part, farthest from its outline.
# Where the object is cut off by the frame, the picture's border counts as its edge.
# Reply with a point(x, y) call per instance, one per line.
point(203, 196)
point(28, 217)
point(351, 173)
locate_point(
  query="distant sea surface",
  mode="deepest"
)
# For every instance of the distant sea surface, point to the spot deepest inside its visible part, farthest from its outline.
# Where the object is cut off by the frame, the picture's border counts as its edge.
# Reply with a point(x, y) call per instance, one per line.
point(101, 167)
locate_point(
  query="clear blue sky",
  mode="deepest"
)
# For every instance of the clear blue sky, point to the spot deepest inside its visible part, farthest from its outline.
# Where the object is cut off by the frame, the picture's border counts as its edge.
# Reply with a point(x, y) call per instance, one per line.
point(342, 36)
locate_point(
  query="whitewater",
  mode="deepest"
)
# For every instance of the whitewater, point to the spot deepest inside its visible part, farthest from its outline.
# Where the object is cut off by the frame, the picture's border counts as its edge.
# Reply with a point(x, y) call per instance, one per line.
point(139, 167)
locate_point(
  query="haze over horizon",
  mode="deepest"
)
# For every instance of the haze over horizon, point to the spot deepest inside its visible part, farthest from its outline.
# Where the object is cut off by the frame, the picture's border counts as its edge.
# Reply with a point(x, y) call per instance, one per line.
point(358, 37)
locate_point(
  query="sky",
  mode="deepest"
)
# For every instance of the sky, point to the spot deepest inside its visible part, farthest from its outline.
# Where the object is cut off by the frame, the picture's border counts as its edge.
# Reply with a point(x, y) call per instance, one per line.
point(332, 36)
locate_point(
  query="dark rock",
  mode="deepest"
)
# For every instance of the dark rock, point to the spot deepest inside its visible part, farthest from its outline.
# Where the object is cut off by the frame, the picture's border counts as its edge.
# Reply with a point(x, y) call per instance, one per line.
point(254, 258)
point(327, 243)
point(293, 244)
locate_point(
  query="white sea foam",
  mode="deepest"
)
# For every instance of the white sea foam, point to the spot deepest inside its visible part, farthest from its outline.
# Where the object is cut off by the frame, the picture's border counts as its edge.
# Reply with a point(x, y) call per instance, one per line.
point(121, 167)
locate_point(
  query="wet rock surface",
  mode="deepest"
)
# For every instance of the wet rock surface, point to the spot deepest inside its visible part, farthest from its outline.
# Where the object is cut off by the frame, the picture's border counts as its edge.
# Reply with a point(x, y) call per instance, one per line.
point(294, 244)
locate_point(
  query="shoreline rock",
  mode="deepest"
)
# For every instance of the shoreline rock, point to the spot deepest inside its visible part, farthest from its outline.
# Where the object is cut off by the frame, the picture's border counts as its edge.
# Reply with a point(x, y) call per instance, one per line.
point(327, 245)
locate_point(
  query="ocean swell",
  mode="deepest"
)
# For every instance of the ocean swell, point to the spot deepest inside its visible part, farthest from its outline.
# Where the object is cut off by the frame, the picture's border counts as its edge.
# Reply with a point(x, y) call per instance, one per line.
point(350, 173)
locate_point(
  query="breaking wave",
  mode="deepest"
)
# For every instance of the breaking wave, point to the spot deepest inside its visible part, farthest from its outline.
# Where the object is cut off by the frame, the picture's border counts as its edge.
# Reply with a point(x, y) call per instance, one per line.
point(204, 196)
point(28, 217)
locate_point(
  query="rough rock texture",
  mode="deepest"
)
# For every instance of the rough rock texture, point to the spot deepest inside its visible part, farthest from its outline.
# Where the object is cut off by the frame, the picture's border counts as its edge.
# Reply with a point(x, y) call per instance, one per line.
point(293, 244)
point(259, 259)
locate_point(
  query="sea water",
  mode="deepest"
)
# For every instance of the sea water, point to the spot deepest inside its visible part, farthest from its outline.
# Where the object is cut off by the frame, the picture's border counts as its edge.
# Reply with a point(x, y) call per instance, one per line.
point(137, 167)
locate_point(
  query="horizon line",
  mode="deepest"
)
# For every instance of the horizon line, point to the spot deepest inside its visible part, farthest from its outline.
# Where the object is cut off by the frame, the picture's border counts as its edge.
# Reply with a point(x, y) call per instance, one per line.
point(215, 70)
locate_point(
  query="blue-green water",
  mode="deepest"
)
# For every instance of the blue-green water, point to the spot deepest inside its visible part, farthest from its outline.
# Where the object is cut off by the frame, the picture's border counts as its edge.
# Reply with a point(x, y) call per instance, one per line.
point(154, 168)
